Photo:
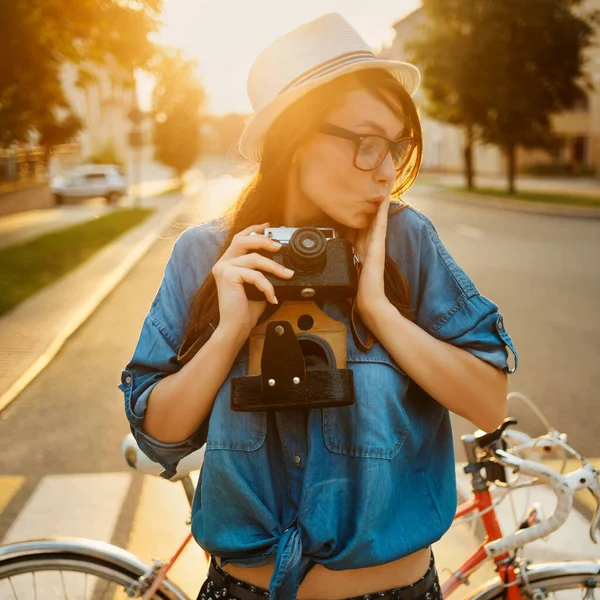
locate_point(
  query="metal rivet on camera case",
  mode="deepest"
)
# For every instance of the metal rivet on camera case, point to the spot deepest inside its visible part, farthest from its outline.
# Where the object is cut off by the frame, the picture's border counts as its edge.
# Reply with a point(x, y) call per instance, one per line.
point(271, 382)
point(296, 380)
point(279, 330)
point(307, 293)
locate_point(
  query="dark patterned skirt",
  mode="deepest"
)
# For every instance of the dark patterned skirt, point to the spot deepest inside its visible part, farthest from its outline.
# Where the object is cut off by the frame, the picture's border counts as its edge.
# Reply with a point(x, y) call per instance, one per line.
point(220, 585)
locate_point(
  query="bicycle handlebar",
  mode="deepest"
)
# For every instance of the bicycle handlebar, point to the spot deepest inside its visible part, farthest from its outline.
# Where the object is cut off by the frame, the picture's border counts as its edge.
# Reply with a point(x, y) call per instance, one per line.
point(564, 486)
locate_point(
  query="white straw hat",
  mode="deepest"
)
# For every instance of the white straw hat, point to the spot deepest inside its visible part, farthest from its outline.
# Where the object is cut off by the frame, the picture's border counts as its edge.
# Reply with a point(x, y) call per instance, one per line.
point(300, 61)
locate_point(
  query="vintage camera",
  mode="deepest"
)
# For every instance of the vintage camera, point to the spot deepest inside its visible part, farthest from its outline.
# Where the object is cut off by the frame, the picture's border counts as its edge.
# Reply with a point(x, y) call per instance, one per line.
point(324, 265)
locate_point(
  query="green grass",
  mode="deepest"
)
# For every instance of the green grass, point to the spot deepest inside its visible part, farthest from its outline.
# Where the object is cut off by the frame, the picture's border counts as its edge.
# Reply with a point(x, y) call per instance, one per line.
point(28, 267)
point(566, 199)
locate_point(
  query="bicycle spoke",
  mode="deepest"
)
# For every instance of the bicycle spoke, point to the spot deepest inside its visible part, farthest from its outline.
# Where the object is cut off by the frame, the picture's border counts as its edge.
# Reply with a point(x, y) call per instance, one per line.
point(62, 578)
point(13, 588)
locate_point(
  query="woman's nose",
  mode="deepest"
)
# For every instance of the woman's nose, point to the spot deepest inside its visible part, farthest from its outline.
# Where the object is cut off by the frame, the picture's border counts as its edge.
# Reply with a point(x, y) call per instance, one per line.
point(386, 171)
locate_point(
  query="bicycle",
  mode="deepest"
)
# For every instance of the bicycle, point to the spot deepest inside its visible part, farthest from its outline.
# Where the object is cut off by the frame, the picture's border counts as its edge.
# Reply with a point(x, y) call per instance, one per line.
point(489, 457)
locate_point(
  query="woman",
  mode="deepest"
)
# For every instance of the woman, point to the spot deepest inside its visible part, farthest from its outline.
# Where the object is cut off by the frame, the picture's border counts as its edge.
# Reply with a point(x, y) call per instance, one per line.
point(340, 502)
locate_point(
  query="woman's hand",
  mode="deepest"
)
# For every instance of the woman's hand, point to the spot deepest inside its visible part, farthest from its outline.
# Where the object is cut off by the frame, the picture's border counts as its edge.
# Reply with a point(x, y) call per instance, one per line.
point(369, 245)
point(242, 264)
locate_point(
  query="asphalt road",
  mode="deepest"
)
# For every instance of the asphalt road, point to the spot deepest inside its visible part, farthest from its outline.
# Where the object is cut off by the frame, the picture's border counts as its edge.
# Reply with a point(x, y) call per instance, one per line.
point(542, 271)
point(544, 274)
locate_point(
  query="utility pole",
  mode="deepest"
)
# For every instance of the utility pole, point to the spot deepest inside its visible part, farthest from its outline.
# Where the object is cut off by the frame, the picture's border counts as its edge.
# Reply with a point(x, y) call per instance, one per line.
point(136, 141)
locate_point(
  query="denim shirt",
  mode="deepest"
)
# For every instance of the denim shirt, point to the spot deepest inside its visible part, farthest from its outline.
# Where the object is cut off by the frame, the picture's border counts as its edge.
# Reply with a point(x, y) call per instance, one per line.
point(345, 487)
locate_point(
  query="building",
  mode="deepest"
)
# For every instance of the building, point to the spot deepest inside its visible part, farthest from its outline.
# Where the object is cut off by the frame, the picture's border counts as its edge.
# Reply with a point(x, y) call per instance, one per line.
point(578, 129)
point(102, 96)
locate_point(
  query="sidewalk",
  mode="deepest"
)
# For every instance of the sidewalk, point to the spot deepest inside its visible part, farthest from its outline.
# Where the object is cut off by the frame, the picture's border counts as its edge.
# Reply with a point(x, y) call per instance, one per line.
point(437, 192)
point(33, 332)
point(576, 186)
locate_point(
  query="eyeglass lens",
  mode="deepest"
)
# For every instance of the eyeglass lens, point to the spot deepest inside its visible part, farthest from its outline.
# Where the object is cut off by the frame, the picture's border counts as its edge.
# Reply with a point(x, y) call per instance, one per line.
point(372, 151)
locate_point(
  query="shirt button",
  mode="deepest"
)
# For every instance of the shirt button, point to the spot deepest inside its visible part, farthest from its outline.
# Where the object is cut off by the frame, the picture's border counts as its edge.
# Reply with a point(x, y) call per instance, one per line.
point(297, 459)
point(127, 379)
point(500, 326)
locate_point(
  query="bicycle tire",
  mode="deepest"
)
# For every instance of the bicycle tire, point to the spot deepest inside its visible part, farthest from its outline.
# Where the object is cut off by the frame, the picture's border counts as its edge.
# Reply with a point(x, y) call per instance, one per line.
point(548, 579)
point(71, 562)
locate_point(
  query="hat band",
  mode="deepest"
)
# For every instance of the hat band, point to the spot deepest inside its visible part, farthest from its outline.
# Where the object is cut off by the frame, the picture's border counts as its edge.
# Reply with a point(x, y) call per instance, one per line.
point(328, 66)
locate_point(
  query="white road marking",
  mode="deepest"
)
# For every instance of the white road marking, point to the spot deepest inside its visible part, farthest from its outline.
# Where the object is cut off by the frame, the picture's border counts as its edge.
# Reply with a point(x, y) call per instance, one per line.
point(159, 528)
point(82, 505)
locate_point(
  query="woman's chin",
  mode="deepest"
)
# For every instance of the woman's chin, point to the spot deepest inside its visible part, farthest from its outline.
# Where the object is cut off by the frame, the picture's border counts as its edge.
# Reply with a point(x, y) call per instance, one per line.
point(355, 220)
point(360, 221)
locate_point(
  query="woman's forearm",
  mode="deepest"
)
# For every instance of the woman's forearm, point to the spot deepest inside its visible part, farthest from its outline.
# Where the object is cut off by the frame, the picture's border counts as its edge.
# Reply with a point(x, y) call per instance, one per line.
point(180, 403)
point(458, 380)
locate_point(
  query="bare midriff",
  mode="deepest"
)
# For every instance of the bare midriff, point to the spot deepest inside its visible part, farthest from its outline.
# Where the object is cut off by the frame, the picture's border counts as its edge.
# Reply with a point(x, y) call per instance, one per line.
point(324, 584)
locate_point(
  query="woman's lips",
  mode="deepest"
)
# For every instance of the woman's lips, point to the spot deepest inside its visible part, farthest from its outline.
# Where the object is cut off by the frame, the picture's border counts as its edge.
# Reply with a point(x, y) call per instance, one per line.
point(372, 205)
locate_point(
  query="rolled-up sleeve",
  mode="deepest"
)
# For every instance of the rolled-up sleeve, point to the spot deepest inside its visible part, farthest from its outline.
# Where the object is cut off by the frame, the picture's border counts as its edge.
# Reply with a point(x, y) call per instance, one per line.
point(447, 303)
point(155, 354)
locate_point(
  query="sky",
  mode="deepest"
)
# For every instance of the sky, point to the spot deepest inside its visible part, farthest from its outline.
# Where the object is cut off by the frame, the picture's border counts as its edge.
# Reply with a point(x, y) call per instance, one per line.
point(226, 35)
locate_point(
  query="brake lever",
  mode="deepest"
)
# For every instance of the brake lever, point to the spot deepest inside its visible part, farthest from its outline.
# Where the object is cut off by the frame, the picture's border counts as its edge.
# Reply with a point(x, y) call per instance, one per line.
point(594, 488)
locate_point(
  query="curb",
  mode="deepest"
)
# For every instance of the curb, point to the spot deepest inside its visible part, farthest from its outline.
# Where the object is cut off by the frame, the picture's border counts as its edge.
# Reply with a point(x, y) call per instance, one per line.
point(107, 282)
point(539, 208)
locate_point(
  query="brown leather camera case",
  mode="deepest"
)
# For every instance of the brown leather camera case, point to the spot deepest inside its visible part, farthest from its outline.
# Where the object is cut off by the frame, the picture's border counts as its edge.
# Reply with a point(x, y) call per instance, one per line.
point(330, 330)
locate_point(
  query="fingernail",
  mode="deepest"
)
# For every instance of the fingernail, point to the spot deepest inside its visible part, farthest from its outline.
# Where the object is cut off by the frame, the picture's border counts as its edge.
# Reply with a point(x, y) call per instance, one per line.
point(288, 272)
point(275, 300)
point(276, 243)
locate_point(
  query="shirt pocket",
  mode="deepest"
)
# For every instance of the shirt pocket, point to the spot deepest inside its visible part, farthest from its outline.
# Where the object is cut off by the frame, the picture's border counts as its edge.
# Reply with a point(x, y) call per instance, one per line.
point(231, 430)
point(376, 425)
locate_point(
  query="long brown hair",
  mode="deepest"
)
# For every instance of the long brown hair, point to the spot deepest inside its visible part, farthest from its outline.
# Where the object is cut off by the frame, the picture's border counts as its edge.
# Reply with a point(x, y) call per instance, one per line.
point(260, 200)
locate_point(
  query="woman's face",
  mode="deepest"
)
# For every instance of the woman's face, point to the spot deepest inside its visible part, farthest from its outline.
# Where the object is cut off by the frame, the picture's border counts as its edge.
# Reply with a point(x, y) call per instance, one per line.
point(324, 181)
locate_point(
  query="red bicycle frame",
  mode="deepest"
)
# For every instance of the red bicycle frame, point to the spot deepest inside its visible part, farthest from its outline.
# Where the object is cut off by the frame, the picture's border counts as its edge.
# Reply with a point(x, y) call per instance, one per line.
point(480, 502)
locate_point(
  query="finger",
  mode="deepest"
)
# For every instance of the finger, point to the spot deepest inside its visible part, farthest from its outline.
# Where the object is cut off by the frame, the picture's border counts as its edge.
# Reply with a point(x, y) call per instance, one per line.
point(379, 226)
point(382, 214)
point(249, 243)
point(264, 263)
point(257, 279)
point(256, 228)
point(374, 237)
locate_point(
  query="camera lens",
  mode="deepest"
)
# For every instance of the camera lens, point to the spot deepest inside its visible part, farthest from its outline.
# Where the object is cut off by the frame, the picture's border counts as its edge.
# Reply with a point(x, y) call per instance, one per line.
point(307, 249)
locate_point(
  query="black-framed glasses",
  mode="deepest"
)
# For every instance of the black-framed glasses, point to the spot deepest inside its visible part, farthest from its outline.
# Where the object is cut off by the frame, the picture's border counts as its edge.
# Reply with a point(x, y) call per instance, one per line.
point(370, 149)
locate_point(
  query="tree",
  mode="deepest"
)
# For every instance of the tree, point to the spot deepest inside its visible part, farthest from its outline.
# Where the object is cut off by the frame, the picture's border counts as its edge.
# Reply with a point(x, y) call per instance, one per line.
point(177, 103)
point(58, 131)
point(443, 51)
point(503, 67)
point(543, 66)
point(37, 37)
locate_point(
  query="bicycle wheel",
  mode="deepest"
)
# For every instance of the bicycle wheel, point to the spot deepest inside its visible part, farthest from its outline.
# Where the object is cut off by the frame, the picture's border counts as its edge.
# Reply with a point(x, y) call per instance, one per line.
point(59, 572)
point(576, 580)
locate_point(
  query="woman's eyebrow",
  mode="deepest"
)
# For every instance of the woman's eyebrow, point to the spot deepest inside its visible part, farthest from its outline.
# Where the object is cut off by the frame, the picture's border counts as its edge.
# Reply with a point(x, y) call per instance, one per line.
point(378, 128)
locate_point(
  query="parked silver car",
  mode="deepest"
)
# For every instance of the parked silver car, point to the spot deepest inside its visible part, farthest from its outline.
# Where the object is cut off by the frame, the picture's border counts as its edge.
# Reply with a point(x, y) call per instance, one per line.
point(90, 181)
